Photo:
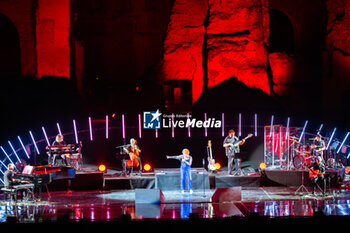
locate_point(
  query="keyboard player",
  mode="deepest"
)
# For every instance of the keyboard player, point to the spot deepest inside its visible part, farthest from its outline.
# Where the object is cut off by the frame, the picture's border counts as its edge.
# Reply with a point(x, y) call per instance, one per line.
point(59, 142)
point(10, 181)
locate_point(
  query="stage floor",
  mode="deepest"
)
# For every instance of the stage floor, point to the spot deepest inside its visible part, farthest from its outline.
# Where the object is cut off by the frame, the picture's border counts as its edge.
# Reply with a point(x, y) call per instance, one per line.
point(97, 205)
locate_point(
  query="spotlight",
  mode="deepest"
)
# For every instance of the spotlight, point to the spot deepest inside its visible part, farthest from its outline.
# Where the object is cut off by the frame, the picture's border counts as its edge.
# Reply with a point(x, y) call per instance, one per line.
point(347, 170)
point(262, 166)
point(217, 166)
point(147, 167)
point(102, 168)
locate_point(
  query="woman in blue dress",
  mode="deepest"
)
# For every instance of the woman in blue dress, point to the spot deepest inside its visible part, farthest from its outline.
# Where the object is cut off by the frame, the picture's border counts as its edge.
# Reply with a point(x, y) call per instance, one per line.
point(185, 169)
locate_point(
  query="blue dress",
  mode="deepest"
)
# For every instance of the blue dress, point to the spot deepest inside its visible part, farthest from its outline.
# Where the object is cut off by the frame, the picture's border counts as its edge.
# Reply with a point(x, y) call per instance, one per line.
point(185, 171)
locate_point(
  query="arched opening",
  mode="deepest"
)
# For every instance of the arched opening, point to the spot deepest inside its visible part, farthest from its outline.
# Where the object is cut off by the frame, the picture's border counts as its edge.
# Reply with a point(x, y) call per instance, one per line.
point(281, 33)
point(10, 50)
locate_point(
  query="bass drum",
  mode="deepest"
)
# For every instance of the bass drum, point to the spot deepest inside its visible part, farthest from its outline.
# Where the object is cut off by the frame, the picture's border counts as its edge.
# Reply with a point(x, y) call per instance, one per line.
point(298, 161)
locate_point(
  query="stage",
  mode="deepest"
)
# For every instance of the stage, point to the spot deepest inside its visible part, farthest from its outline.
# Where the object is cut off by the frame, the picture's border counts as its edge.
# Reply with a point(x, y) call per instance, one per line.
point(94, 196)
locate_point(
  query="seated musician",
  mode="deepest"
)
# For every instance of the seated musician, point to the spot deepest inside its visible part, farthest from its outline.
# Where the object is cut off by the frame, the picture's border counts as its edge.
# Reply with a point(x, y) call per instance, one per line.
point(9, 180)
point(317, 172)
point(58, 142)
point(134, 152)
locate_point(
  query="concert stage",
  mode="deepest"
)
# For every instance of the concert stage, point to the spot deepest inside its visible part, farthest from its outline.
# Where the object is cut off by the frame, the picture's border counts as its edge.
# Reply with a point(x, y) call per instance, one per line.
point(169, 179)
point(95, 197)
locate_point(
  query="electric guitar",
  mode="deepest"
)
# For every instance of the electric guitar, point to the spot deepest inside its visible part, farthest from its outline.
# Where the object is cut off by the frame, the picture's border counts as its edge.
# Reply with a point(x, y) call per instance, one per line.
point(234, 146)
point(211, 161)
point(315, 173)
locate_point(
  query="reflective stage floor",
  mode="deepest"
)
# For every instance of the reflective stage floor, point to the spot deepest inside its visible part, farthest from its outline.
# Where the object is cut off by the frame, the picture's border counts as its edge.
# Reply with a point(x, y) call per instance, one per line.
point(111, 205)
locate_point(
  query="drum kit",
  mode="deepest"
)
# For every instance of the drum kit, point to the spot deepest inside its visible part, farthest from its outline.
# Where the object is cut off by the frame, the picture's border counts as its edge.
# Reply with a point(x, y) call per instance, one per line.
point(303, 154)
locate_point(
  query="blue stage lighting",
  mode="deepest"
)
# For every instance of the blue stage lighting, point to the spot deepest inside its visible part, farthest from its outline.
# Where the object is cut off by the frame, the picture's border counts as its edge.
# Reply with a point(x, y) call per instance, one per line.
point(14, 151)
point(47, 140)
point(24, 149)
point(330, 139)
point(341, 145)
point(36, 147)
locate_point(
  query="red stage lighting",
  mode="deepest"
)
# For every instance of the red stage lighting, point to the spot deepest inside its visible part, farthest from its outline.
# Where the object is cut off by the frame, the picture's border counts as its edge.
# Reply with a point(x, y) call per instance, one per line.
point(102, 168)
point(147, 167)
point(217, 166)
point(262, 166)
point(347, 169)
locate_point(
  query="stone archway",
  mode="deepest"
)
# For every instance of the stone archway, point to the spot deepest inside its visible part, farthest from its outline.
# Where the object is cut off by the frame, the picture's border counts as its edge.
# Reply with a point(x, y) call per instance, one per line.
point(10, 64)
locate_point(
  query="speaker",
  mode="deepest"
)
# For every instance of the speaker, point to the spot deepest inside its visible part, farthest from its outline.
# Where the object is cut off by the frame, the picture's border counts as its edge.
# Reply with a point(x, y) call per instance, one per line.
point(227, 194)
point(152, 196)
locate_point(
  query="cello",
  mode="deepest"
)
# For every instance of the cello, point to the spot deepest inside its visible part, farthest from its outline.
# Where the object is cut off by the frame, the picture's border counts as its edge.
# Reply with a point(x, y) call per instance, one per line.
point(134, 153)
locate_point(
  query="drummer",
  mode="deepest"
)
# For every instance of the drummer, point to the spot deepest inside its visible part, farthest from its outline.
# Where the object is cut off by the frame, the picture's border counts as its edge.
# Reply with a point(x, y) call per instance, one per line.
point(319, 146)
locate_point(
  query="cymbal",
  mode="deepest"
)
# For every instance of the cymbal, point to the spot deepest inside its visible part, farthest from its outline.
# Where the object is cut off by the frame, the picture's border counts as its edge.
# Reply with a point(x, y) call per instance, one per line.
point(294, 140)
point(312, 139)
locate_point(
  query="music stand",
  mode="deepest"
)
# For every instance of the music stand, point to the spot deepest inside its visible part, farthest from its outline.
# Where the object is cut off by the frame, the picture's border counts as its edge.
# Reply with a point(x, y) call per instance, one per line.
point(302, 186)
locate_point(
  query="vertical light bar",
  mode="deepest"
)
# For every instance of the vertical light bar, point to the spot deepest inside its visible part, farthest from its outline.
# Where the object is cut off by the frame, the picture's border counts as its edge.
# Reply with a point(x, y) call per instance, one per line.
point(239, 124)
point(59, 128)
point(222, 124)
point(330, 139)
point(107, 127)
point(172, 125)
point(271, 127)
point(14, 151)
point(140, 129)
point(205, 128)
point(6, 155)
point(24, 149)
point(341, 145)
point(302, 133)
point(255, 125)
point(319, 129)
point(75, 132)
point(123, 126)
point(47, 140)
point(36, 147)
point(287, 130)
point(156, 133)
point(189, 127)
point(90, 129)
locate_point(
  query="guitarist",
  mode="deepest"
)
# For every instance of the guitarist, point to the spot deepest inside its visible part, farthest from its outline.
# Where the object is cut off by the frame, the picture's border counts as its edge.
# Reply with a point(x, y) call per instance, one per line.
point(231, 151)
point(317, 172)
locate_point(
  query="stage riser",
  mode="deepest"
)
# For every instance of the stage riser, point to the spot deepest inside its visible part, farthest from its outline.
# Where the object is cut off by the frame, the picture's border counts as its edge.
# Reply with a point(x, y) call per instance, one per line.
point(294, 178)
point(83, 181)
point(132, 183)
point(243, 181)
point(171, 181)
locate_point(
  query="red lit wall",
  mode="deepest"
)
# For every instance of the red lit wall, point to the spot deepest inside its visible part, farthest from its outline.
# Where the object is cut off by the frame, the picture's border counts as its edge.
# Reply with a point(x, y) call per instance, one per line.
point(52, 34)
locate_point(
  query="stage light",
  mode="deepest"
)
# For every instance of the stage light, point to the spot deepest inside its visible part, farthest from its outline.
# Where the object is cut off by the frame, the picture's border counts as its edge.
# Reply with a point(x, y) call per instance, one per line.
point(24, 149)
point(287, 130)
point(341, 145)
point(14, 151)
point(123, 126)
point(255, 125)
point(262, 166)
point(347, 169)
point(59, 128)
point(156, 133)
point(271, 126)
point(172, 125)
point(223, 125)
point(90, 129)
point(147, 167)
point(205, 128)
point(319, 129)
point(217, 166)
point(107, 126)
point(189, 127)
point(239, 124)
point(102, 168)
point(113, 115)
point(140, 129)
point(36, 147)
point(302, 133)
point(330, 139)
point(47, 140)
point(75, 132)
point(3, 150)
